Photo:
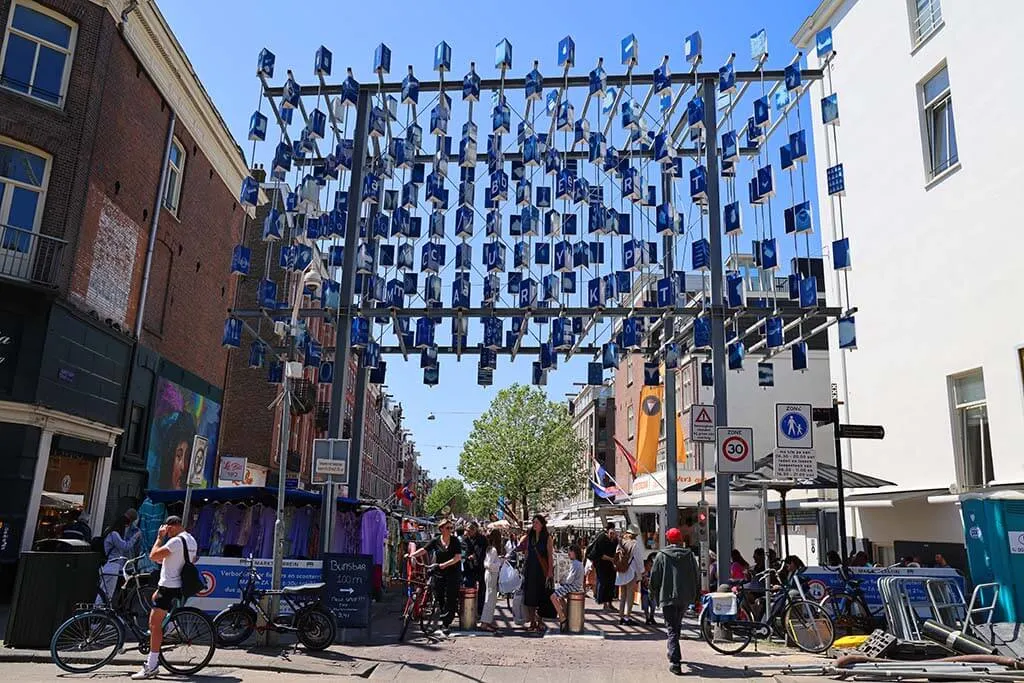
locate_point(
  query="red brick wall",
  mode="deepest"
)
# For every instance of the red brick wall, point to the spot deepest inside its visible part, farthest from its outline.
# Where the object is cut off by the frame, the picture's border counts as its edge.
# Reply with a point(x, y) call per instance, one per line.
point(190, 289)
point(626, 394)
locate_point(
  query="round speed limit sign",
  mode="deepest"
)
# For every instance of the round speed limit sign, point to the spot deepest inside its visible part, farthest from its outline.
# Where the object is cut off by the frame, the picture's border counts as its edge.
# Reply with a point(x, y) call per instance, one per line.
point(735, 450)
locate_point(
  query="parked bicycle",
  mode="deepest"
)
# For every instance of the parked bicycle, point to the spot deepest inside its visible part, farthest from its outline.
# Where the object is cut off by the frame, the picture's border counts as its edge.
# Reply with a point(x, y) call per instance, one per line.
point(848, 607)
point(420, 603)
point(306, 616)
point(94, 635)
point(726, 625)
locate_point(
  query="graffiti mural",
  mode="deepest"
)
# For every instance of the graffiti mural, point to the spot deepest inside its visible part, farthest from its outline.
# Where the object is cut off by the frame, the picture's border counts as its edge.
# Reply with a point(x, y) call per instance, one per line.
point(179, 414)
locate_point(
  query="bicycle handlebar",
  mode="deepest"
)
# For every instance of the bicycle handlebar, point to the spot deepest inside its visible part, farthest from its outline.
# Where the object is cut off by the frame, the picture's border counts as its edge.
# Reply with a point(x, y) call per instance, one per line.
point(133, 562)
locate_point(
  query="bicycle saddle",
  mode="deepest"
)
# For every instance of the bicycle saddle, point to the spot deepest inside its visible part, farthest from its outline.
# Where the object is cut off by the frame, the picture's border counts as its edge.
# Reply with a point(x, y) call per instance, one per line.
point(304, 588)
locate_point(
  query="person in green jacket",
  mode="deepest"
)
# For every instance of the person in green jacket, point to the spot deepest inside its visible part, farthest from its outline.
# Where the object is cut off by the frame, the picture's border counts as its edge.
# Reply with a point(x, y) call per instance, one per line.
point(675, 584)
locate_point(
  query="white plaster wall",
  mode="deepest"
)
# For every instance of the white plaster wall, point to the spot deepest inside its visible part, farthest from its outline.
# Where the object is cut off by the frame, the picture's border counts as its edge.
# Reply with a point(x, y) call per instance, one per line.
point(935, 267)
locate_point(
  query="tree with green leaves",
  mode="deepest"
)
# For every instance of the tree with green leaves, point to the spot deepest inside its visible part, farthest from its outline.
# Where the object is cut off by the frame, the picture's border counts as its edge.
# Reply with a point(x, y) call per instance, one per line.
point(450, 491)
point(525, 447)
point(483, 501)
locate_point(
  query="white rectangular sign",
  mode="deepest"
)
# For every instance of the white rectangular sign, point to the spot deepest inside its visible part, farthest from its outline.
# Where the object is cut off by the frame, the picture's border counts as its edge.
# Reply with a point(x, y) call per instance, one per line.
point(795, 463)
point(197, 465)
point(735, 451)
point(793, 425)
point(1016, 542)
point(232, 468)
point(702, 423)
point(336, 468)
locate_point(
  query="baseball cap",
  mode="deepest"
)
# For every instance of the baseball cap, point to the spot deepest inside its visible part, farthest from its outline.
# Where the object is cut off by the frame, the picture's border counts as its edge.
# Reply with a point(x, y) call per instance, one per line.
point(674, 536)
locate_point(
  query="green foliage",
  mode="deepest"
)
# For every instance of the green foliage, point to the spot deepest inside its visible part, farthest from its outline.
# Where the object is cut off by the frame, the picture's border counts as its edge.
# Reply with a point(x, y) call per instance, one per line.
point(450, 489)
point(483, 501)
point(524, 445)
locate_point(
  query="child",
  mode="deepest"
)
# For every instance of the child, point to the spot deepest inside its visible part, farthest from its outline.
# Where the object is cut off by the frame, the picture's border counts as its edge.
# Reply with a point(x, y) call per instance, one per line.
point(573, 583)
point(646, 600)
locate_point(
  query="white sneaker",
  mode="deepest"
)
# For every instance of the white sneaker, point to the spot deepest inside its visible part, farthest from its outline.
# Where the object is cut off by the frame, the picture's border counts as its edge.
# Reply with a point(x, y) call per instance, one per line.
point(144, 674)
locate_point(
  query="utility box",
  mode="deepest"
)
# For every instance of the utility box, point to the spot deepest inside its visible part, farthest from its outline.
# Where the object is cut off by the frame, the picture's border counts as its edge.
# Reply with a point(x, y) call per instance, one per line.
point(48, 587)
point(994, 536)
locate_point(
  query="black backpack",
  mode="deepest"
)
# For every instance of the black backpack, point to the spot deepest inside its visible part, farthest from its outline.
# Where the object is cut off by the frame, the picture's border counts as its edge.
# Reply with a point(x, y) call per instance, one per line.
point(191, 580)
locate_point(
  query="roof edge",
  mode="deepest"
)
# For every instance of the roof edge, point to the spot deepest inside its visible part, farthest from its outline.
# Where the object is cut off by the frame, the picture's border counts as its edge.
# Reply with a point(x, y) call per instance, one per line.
point(815, 22)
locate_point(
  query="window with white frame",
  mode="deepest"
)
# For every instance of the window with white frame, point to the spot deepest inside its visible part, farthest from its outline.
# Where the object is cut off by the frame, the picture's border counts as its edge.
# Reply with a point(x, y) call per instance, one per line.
point(23, 178)
point(938, 121)
point(972, 445)
point(925, 18)
point(630, 422)
point(37, 53)
point(629, 369)
point(175, 174)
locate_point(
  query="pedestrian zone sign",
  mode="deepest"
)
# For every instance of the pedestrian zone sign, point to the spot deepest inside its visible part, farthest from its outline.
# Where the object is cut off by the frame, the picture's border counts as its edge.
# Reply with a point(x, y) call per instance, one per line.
point(702, 423)
point(793, 425)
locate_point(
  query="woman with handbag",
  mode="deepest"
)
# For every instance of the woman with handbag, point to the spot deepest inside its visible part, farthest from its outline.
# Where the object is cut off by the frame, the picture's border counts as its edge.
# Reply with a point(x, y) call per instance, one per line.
point(493, 562)
point(539, 580)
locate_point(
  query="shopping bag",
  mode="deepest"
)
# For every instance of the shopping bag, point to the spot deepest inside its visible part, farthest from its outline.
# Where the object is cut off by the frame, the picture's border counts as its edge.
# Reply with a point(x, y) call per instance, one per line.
point(509, 580)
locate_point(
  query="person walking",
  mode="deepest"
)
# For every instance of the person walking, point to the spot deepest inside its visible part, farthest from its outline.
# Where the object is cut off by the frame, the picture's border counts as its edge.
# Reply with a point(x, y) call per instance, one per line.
point(629, 566)
point(539, 566)
point(675, 585)
point(601, 552)
point(447, 553)
point(493, 562)
point(474, 548)
point(169, 550)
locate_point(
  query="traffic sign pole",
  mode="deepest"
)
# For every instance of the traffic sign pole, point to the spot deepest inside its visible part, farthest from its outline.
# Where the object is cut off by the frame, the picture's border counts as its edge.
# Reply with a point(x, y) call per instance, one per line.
point(843, 554)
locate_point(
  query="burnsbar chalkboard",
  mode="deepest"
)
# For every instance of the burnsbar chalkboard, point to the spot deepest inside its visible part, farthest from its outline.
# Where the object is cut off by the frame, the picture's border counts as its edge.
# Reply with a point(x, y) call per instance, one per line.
point(349, 580)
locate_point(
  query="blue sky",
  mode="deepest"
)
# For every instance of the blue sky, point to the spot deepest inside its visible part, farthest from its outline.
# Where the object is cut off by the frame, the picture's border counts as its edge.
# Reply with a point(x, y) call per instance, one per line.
point(223, 39)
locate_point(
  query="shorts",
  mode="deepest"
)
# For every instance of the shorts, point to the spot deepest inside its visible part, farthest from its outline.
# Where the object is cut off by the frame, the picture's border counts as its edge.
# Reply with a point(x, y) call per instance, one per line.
point(563, 591)
point(166, 598)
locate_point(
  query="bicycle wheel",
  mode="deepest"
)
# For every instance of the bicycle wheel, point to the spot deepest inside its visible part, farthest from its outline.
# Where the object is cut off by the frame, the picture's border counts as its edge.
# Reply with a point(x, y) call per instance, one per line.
point(429, 617)
point(849, 615)
point(316, 628)
point(234, 625)
point(86, 641)
point(189, 641)
point(139, 602)
point(809, 626)
point(407, 615)
point(725, 640)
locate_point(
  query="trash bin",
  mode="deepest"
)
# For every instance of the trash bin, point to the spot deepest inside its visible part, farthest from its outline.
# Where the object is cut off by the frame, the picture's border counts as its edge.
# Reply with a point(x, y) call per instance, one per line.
point(467, 616)
point(576, 611)
point(48, 587)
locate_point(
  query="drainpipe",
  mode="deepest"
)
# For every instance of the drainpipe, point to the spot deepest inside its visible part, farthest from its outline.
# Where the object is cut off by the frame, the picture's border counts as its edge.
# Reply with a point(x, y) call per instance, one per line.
point(153, 228)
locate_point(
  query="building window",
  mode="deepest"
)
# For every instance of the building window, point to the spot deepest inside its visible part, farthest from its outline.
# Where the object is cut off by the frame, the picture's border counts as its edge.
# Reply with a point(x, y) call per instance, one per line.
point(630, 425)
point(629, 370)
point(23, 178)
point(37, 52)
point(973, 447)
point(175, 173)
point(925, 18)
point(938, 122)
point(136, 429)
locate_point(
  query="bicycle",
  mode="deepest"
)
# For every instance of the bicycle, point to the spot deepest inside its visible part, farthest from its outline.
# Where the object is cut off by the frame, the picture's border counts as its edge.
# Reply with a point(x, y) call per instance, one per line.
point(728, 628)
point(421, 604)
point(94, 635)
point(848, 607)
point(308, 619)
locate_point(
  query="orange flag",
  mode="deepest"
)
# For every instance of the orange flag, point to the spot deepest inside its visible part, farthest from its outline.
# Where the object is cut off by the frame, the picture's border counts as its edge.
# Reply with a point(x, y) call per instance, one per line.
point(648, 430)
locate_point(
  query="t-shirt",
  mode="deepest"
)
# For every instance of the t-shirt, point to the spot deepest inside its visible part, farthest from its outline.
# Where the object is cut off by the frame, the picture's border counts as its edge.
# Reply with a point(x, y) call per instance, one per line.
point(444, 554)
point(170, 568)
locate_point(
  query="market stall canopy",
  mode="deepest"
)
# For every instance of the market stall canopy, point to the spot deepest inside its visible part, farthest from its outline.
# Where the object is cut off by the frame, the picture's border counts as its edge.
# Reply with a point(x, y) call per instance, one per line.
point(763, 477)
point(264, 494)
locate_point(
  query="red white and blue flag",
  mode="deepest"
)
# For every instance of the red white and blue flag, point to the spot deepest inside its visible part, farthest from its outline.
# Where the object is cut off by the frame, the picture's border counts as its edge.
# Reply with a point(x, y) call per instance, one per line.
point(608, 492)
point(405, 493)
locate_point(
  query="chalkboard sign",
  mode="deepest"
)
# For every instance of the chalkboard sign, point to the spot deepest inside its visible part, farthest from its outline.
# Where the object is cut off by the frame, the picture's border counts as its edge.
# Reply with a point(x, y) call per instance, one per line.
point(349, 580)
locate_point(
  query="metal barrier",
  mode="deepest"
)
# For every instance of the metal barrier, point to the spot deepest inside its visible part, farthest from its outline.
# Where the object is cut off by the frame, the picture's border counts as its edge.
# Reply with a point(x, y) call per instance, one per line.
point(909, 600)
point(971, 623)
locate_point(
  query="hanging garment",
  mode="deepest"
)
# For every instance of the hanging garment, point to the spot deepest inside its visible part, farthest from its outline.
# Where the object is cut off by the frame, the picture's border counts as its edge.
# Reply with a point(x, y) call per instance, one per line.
point(220, 530)
point(298, 534)
point(245, 527)
point(151, 516)
point(346, 533)
point(233, 515)
point(373, 534)
point(203, 530)
point(252, 545)
point(267, 520)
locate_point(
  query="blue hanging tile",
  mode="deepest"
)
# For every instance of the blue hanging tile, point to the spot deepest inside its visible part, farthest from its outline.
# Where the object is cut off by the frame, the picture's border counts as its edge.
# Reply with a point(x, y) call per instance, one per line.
point(701, 332)
point(692, 46)
point(847, 333)
point(652, 375)
point(727, 79)
point(769, 254)
point(773, 332)
point(830, 110)
point(809, 292)
point(794, 286)
point(241, 258)
point(765, 375)
point(258, 127)
point(841, 254)
point(265, 63)
point(266, 294)
point(250, 192)
point(707, 375)
point(836, 180)
point(232, 333)
point(275, 372)
point(701, 254)
point(257, 354)
point(734, 289)
point(736, 354)
point(793, 77)
point(799, 351)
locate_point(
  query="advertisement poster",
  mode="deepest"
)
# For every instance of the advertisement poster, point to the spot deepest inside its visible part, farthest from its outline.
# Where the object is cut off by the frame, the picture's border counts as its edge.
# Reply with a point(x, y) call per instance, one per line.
point(179, 415)
point(223, 576)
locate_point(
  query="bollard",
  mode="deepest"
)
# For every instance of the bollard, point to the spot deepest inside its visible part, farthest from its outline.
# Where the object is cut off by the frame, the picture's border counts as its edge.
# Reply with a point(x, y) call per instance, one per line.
point(467, 615)
point(576, 611)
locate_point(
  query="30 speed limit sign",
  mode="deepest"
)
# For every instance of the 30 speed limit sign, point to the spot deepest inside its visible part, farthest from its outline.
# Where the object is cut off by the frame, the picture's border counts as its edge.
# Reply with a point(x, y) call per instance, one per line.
point(735, 450)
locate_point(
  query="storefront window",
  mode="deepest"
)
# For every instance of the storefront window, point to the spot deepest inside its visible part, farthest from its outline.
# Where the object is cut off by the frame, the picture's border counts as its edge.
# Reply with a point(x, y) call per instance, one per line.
point(66, 492)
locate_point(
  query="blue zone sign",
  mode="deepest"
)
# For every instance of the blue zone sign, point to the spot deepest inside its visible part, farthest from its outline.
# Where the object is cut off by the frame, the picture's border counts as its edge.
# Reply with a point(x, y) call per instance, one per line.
point(793, 425)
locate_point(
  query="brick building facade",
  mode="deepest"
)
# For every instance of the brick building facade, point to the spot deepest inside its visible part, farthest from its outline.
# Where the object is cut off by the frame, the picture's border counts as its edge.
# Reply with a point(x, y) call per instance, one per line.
point(90, 400)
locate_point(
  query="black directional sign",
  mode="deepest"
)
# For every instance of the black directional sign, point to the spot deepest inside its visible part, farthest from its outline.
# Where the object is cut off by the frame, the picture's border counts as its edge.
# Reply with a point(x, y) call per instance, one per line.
point(861, 431)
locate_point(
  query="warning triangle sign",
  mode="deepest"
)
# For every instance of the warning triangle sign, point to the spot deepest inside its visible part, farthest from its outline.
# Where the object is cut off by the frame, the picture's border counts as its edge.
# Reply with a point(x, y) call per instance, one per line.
point(703, 416)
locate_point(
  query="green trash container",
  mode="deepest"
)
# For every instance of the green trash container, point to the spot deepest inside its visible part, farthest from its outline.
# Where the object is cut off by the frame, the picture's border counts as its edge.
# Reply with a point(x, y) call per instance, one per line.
point(48, 587)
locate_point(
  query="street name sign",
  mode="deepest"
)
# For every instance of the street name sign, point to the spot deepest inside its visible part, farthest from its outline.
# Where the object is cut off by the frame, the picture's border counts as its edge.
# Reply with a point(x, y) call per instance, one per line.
point(861, 431)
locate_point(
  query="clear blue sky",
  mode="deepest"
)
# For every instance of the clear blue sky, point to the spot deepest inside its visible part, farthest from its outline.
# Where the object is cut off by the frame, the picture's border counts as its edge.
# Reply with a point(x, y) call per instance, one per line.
point(223, 39)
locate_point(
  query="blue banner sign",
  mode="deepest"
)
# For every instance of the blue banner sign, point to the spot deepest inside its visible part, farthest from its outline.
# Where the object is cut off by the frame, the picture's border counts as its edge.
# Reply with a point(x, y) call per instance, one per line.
point(818, 581)
point(222, 576)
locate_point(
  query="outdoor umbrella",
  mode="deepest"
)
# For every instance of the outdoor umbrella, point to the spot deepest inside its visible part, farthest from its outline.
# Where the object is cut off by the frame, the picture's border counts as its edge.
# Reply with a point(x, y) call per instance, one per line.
point(763, 478)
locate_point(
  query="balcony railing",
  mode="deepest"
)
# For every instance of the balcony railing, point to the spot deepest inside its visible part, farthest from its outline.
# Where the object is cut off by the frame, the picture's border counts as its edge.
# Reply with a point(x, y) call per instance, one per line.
point(30, 256)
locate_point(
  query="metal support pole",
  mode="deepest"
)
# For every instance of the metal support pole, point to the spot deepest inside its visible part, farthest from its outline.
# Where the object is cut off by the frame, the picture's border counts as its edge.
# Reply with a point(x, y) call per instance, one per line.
point(282, 477)
point(722, 481)
point(839, 481)
point(358, 420)
point(343, 329)
point(668, 333)
point(785, 521)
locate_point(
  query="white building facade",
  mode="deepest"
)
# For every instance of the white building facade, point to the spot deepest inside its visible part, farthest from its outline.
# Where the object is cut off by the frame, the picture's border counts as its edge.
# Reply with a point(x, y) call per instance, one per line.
point(932, 167)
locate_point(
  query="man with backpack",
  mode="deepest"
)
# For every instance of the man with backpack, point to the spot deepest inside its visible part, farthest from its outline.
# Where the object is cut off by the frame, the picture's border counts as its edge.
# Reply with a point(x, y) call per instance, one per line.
point(675, 583)
point(175, 551)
